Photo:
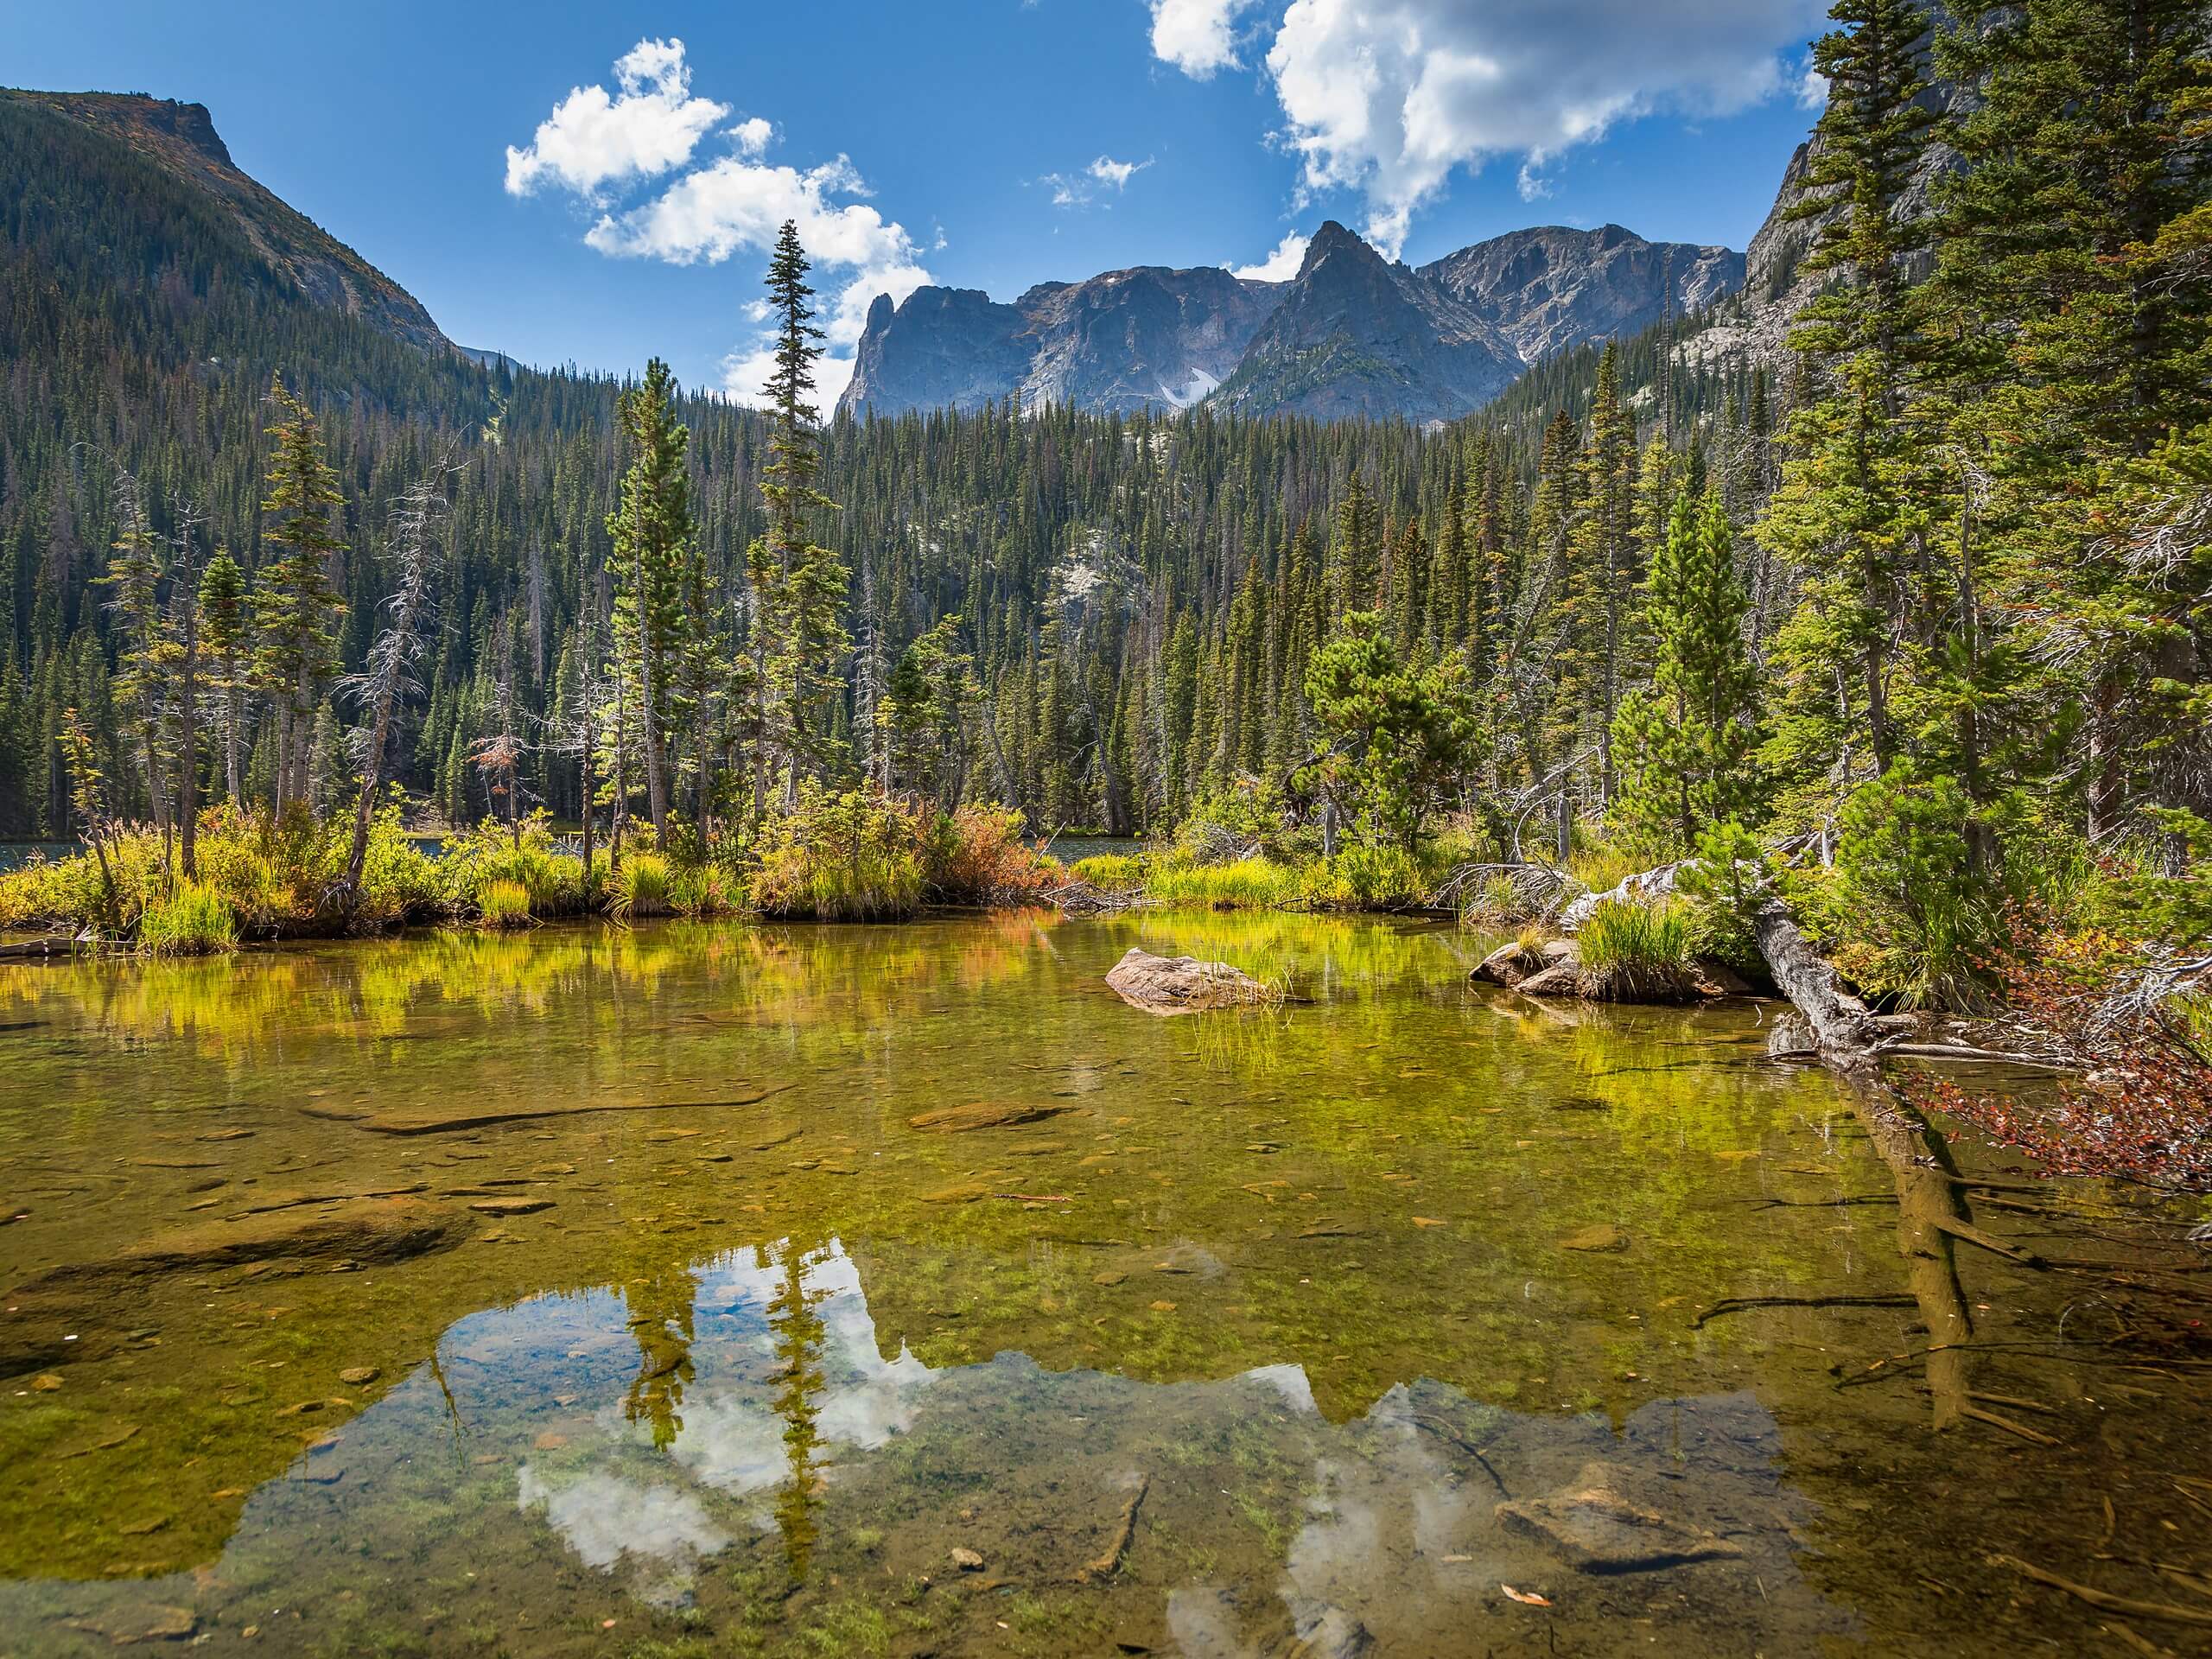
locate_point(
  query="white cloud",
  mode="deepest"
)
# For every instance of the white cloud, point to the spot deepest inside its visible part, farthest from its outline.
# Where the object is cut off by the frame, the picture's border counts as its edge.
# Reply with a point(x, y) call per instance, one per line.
point(1388, 96)
point(1107, 170)
point(1812, 89)
point(1198, 36)
point(1278, 266)
point(735, 204)
point(1533, 184)
point(651, 125)
point(1078, 189)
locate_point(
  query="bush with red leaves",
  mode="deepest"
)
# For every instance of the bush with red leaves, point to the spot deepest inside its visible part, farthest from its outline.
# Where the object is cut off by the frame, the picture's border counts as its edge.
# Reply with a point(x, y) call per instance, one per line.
point(2129, 1021)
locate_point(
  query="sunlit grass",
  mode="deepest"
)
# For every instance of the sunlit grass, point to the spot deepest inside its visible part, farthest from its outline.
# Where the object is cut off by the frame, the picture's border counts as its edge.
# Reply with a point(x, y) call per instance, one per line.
point(193, 921)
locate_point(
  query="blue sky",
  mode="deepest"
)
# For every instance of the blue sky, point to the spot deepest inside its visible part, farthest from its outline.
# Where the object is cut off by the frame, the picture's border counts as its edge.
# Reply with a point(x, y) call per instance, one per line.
point(985, 143)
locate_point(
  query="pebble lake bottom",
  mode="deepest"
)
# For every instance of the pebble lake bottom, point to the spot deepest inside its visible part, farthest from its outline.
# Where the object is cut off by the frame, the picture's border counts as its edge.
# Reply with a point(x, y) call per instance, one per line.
point(595, 1292)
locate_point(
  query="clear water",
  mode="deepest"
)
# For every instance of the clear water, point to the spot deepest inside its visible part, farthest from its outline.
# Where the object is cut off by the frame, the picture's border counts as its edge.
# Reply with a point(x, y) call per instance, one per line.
point(1367, 1324)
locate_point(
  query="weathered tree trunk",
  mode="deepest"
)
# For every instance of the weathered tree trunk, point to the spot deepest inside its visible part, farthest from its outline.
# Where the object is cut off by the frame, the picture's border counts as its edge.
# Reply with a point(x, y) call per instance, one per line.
point(188, 765)
point(1845, 1032)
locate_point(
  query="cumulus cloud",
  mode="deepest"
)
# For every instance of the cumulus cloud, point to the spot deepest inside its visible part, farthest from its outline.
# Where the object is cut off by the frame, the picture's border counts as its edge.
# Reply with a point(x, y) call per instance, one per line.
point(734, 204)
point(1812, 89)
point(1198, 36)
point(1278, 266)
point(650, 124)
point(1389, 97)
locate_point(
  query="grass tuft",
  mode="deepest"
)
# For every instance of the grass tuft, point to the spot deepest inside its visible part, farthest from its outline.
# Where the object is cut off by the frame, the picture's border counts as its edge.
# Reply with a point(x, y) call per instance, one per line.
point(195, 920)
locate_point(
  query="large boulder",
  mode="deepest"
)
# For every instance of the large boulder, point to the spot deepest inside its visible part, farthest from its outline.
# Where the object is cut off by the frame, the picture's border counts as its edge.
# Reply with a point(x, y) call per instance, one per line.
point(1182, 985)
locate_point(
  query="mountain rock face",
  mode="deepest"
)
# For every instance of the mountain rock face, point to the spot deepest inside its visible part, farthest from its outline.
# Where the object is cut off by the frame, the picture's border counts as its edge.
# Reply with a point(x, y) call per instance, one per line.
point(1128, 340)
point(1551, 287)
point(1357, 335)
point(1776, 287)
point(180, 139)
point(1351, 335)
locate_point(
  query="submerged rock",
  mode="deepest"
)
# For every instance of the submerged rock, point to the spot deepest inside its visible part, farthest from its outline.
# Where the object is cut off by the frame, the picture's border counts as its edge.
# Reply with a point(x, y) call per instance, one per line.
point(1182, 985)
point(1600, 1238)
point(511, 1207)
point(983, 1114)
point(1595, 1529)
point(383, 1230)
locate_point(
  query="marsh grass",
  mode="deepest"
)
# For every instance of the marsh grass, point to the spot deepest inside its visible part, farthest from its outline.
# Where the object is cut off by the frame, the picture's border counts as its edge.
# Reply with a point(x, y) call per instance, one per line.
point(502, 906)
point(1634, 952)
point(195, 920)
point(641, 887)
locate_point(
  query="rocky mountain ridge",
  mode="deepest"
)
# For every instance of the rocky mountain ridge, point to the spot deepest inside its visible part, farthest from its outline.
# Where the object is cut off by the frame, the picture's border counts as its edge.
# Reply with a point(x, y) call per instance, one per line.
point(1352, 333)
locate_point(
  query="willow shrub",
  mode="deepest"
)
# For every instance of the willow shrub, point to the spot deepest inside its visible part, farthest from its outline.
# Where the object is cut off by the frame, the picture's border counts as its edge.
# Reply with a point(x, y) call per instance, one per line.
point(493, 853)
point(980, 855)
point(850, 855)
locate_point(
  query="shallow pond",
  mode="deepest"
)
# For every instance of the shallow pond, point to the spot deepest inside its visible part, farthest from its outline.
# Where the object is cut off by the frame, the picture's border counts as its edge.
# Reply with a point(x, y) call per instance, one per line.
point(595, 1292)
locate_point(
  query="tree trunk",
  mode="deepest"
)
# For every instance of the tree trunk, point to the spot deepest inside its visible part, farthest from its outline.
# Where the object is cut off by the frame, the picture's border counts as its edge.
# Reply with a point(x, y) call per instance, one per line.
point(188, 779)
point(1842, 1027)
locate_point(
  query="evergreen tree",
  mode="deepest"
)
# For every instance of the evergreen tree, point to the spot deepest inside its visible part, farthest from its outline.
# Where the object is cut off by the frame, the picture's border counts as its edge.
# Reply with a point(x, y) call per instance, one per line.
point(800, 586)
point(296, 603)
point(652, 531)
point(1687, 742)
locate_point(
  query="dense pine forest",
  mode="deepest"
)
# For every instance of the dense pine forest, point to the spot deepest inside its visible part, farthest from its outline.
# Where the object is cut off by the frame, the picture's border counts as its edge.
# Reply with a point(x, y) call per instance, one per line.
point(1918, 600)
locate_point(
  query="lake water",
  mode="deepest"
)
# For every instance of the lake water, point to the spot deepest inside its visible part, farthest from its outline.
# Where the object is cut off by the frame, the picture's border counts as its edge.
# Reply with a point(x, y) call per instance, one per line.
point(594, 1291)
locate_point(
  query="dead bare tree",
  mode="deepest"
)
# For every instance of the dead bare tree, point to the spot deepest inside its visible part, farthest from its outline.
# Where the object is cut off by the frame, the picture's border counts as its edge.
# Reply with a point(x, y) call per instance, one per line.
point(388, 674)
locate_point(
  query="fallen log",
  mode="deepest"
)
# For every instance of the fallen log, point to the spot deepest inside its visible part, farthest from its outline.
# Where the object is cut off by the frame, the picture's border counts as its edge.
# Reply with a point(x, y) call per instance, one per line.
point(38, 949)
point(1843, 1031)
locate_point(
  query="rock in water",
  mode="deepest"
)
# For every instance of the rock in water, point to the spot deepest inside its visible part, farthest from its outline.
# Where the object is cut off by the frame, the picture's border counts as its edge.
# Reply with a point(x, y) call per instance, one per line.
point(1508, 965)
point(1595, 1529)
point(368, 1230)
point(1601, 1237)
point(1562, 979)
point(1181, 984)
point(983, 1114)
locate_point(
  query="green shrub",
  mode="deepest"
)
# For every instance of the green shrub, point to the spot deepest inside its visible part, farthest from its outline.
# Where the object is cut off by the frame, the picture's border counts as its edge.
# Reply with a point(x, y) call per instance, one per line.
point(1366, 876)
point(195, 920)
point(853, 856)
point(1724, 887)
point(641, 887)
point(1905, 910)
